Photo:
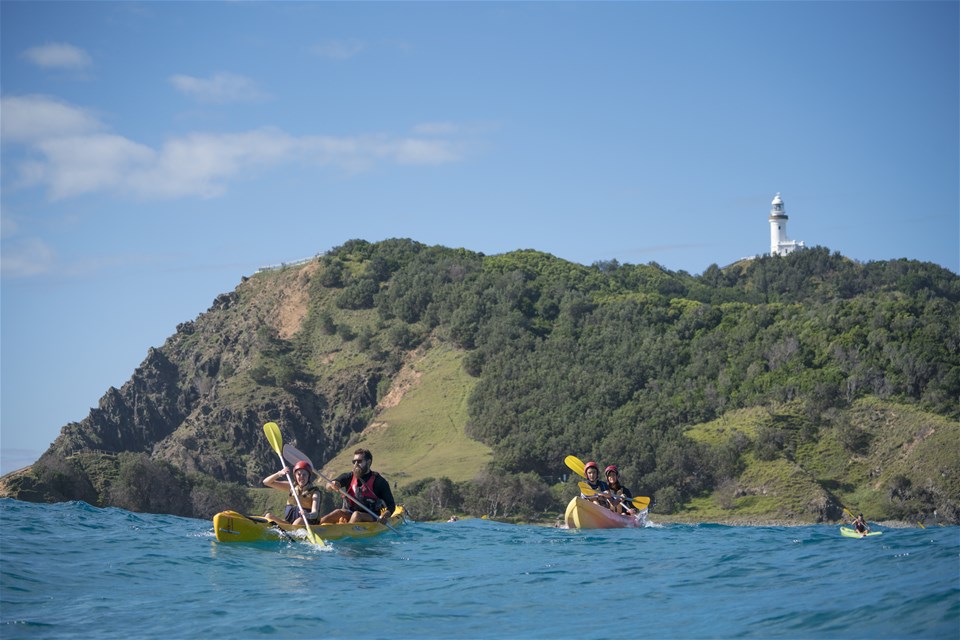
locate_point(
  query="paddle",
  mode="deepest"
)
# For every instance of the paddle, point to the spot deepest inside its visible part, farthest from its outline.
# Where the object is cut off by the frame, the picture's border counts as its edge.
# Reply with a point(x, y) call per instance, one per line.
point(294, 455)
point(276, 441)
point(576, 465)
point(640, 502)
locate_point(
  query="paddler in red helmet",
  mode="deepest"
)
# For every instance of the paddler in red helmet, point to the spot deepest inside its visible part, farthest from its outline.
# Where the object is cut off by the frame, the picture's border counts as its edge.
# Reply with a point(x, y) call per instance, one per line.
point(592, 471)
point(305, 489)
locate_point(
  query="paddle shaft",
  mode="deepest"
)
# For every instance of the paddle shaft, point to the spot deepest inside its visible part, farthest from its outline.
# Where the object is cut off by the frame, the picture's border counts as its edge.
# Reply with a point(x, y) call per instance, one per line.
point(272, 432)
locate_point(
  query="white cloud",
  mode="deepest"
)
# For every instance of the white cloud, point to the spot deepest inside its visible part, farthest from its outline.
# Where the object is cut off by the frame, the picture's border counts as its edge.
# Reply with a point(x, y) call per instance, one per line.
point(219, 89)
point(31, 118)
point(338, 49)
point(88, 163)
point(417, 151)
point(200, 164)
point(27, 257)
point(70, 154)
point(58, 55)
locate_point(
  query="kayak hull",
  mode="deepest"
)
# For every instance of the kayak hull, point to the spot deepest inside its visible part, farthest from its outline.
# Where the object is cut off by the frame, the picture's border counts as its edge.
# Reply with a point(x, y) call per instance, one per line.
point(847, 532)
point(584, 514)
point(231, 526)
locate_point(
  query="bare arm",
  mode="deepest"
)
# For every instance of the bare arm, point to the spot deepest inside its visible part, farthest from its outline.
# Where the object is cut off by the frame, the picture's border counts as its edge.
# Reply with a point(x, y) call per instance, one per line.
point(273, 480)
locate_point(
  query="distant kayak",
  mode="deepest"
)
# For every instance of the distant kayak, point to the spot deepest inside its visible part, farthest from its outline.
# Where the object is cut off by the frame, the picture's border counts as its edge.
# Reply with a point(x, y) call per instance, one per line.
point(847, 532)
point(230, 526)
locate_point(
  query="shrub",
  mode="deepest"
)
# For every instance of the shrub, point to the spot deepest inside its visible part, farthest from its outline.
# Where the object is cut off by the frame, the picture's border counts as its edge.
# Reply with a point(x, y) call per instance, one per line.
point(149, 486)
point(65, 479)
point(209, 496)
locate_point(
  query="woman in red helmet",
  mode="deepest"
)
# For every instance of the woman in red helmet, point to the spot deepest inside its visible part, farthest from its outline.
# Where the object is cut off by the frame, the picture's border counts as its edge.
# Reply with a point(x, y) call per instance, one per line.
point(306, 491)
point(592, 471)
point(624, 505)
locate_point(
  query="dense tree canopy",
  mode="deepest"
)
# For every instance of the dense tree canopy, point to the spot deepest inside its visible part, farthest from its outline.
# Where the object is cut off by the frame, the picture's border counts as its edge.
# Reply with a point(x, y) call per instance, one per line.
point(615, 360)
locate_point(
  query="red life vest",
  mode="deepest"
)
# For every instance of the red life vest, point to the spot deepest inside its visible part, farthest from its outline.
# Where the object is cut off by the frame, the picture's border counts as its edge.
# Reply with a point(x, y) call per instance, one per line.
point(366, 494)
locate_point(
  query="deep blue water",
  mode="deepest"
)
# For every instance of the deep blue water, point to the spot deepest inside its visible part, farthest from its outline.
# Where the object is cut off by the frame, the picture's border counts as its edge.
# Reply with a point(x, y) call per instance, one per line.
point(74, 571)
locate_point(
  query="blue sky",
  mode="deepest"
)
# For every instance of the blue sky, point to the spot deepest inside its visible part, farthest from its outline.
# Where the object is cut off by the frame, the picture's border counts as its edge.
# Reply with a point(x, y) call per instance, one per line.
point(155, 153)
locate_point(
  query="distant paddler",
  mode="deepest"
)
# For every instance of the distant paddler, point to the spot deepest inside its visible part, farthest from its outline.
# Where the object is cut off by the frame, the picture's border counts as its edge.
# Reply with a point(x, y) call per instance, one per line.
point(860, 525)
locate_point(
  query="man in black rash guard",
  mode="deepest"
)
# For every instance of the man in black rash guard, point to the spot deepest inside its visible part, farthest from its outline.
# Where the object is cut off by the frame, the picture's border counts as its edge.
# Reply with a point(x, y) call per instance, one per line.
point(367, 487)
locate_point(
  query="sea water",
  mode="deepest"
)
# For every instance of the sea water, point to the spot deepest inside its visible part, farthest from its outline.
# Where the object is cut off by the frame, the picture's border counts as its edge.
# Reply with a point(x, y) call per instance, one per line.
point(74, 571)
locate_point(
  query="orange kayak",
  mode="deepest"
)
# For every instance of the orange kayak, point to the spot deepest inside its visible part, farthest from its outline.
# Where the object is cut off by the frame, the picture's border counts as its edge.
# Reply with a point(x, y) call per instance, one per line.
point(584, 514)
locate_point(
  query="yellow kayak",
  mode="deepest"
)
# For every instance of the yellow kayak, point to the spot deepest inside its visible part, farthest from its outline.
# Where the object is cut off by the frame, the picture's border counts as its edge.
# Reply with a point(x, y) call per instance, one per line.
point(230, 526)
point(847, 532)
point(584, 514)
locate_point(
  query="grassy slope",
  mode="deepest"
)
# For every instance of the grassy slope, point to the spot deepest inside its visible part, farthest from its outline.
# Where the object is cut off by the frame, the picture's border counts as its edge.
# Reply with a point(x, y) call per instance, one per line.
point(905, 442)
point(423, 436)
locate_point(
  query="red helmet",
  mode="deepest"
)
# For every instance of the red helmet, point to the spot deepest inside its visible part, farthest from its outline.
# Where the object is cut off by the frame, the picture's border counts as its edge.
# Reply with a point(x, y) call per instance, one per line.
point(303, 464)
point(613, 468)
point(591, 464)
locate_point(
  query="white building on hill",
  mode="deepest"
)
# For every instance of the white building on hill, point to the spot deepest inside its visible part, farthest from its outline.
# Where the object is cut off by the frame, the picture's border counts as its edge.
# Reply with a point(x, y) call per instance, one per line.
point(779, 244)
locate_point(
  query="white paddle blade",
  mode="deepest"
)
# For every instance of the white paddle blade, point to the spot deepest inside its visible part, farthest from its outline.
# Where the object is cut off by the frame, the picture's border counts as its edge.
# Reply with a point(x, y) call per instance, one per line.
point(294, 455)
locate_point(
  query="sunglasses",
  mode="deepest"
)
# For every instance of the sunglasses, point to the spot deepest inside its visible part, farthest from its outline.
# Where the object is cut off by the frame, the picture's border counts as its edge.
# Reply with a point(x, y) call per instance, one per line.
point(360, 461)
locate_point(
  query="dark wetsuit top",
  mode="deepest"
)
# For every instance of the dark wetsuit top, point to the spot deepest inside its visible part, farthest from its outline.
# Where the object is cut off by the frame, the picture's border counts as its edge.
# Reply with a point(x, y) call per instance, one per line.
point(380, 487)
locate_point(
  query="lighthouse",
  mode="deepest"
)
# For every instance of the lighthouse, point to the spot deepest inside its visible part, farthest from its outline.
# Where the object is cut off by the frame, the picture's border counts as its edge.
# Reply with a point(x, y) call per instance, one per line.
point(779, 244)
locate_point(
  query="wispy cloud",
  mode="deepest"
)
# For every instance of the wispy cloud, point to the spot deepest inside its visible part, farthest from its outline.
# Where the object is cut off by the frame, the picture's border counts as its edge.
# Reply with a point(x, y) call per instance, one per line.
point(28, 119)
point(71, 153)
point(338, 49)
point(220, 88)
point(26, 257)
point(58, 55)
point(436, 128)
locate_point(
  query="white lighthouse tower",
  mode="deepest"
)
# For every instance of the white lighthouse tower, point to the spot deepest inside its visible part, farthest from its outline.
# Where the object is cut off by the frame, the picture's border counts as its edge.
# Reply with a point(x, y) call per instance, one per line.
point(779, 245)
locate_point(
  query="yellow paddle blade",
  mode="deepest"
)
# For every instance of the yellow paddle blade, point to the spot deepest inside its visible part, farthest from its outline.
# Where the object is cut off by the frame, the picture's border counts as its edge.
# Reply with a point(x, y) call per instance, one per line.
point(585, 489)
point(313, 537)
point(273, 435)
point(576, 465)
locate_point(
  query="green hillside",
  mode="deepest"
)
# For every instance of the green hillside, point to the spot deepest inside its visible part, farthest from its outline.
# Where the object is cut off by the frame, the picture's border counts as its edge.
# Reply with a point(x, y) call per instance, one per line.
point(776, 388)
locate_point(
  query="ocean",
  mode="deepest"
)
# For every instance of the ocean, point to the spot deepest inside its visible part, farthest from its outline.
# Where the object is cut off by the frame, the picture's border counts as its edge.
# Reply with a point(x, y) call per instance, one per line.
point(70, 570)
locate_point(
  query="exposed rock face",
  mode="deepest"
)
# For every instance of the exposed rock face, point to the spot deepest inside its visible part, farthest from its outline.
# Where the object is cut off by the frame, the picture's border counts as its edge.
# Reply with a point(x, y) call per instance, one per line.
point(134, 418)
point(199, 402)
